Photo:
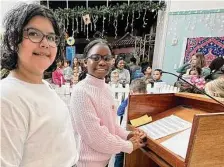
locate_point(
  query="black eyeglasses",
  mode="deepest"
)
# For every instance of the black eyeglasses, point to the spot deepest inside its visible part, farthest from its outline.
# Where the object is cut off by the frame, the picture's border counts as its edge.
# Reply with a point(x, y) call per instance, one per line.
point(97, 57)
point(36, 36)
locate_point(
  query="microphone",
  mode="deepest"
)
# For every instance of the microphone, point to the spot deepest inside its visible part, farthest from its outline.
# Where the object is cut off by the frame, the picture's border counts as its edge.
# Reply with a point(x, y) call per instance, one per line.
point(164, 72)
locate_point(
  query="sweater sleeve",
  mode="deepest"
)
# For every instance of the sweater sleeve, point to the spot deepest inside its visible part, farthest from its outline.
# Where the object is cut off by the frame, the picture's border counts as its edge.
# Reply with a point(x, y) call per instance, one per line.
point(122, 132)
point(206, 71)
point(88, 125)
point(13, 134)
point(183, 68)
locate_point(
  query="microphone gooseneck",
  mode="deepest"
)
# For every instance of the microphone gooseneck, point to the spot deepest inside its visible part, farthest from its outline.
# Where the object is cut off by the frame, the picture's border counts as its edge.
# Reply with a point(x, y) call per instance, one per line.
point(194, 87)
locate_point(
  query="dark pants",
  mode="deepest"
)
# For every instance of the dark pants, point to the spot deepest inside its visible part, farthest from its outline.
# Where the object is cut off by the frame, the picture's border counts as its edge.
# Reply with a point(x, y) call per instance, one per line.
point(119, 160)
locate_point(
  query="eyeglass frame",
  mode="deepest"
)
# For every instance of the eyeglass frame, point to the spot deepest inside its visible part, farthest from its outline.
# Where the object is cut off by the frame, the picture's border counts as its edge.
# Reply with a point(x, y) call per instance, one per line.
point(101, 58)
point(27, 29)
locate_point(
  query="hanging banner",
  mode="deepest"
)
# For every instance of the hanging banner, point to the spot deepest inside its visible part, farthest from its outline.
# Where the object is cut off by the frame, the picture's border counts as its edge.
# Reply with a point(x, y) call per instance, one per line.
point(70, 53)
point(86, 19)
point(210, 47)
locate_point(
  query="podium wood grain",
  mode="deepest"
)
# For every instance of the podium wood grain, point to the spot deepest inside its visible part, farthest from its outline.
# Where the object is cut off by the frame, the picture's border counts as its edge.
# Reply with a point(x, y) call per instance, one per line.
point(189, 107)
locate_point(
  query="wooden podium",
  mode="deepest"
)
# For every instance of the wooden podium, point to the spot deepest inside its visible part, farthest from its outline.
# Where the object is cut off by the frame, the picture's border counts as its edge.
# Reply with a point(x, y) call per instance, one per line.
point(206, 144)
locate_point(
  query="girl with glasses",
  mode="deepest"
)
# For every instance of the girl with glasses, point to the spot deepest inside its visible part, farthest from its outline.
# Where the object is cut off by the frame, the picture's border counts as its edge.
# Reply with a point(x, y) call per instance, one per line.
point(36, 128)
point(93, 110)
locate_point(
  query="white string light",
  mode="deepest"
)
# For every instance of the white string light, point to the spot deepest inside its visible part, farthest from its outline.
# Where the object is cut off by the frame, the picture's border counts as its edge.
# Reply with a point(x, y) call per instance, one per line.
point(48, 4)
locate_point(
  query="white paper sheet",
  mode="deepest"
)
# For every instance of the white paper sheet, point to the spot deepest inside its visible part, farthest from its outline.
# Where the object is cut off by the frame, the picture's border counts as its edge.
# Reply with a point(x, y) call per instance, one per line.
point(179, 143)
point(165, 127)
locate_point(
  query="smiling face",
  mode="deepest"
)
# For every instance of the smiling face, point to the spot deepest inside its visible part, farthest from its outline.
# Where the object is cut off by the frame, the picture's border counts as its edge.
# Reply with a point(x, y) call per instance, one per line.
point(121, 64)
point(98, 69)
point(36, 57)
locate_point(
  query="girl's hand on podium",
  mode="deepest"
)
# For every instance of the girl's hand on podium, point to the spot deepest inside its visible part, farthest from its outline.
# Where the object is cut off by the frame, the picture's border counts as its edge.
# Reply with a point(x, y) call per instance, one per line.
point(137, 132)
point(137, 142)
point(140, 133)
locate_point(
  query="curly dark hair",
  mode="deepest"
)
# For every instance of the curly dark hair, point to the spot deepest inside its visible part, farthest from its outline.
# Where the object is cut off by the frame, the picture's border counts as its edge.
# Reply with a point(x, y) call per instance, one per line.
point(14, 23)
point(93, 43)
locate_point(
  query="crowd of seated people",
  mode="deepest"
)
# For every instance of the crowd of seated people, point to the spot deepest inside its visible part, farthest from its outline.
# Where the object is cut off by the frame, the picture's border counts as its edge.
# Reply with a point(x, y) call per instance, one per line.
point(202, 77)
point(195, 71)
point(123, 73)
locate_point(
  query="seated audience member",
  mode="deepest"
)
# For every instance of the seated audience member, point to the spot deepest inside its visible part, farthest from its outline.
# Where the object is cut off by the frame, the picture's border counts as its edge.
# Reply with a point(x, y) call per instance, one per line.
point(75, 75)
point(157, 75)
point(197, 60)
point(124, 75)
point(83, 65)
point(217, 68)
point(76, 64)
point(67, 71)
point(107, 78)
point(147, 71)
point(137, 86)
point(57, 75)
point(196, 78)
point(114, 77)
point(215, 87)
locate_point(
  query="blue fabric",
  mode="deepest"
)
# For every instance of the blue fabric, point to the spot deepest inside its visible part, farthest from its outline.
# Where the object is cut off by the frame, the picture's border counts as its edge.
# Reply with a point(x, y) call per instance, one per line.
point(119, 160)
point(121, 108)
point(137, 74)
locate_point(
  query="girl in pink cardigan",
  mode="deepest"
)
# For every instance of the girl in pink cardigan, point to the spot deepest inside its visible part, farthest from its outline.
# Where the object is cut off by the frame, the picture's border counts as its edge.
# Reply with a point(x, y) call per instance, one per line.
point(93, 111)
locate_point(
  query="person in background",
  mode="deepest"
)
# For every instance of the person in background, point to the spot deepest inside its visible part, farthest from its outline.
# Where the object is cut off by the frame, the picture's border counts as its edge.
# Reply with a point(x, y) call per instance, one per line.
point(215, 87)
point(114, 77)
point(108, 76)
point(135, 70)
point(76, 64)
point(75, 75)
point(137, 86)
point(83, 65)
point(92, 107)
point(197, 60)
point(36, 128)
point(157, 75)
point(77, 69)
point(217, 68)
point(147, 71)
point(67, 71)
point(113, 63)
point(124, 75)
point(57, 75)
point(196, 78)
point(82, 75)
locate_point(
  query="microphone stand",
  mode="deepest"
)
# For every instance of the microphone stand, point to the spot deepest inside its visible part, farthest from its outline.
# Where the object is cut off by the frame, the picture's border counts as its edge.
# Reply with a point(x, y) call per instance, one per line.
point(194, 87)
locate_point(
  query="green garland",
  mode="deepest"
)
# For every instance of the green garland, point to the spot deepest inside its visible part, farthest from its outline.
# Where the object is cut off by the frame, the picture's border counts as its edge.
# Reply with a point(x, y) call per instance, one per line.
point(110, 10)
